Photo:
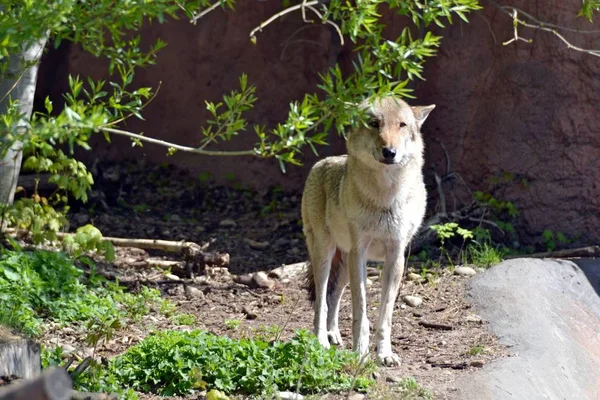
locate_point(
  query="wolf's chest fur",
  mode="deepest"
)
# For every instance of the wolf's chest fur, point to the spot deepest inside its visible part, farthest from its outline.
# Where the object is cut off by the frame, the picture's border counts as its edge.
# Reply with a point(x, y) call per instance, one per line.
point(380, 211)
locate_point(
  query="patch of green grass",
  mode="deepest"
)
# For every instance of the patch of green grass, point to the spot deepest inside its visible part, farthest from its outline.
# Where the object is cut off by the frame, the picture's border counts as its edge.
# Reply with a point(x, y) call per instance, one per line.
point(484, 255)
point(475, 350)
point(232, 324)
point(43, 285)
point(411, 390)
point(184, 319)
point(178, 363)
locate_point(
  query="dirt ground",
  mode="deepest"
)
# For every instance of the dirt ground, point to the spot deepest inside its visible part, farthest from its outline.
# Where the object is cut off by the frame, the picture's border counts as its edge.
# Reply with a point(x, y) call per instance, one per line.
point(159, 202)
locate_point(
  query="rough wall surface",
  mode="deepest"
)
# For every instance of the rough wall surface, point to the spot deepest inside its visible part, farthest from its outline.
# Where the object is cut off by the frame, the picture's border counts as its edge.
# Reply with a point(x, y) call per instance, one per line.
point(524, 109)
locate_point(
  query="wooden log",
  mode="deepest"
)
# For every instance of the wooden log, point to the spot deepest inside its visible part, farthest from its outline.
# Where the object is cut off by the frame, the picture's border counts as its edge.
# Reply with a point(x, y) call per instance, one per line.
point(53, 384)
point(590, 251)
point(18, 356)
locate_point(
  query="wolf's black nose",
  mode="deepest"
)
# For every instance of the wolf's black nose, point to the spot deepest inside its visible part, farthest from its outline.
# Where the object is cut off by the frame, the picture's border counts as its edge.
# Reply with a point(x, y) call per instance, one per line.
point(388, 153)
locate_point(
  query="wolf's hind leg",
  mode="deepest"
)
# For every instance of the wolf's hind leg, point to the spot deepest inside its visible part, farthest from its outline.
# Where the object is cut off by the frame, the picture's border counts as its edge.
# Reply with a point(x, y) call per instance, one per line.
point(321, 249)
point(339, 279)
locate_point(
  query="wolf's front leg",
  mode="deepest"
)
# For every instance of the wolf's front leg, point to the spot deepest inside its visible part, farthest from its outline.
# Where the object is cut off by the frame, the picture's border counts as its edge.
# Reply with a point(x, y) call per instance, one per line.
point(358, 282)
point(393, 270)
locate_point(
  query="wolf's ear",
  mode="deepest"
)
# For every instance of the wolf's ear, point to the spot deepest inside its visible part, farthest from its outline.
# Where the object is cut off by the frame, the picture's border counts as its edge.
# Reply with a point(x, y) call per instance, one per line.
point(421, 113)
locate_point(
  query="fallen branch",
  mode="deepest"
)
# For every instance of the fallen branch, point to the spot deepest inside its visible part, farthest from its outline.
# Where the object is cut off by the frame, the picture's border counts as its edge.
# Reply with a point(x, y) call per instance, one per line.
point(590, 251)
point(435, 325)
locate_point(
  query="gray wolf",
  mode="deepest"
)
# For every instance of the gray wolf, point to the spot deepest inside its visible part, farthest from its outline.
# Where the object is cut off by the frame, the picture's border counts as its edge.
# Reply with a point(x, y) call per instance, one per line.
point(365, 205)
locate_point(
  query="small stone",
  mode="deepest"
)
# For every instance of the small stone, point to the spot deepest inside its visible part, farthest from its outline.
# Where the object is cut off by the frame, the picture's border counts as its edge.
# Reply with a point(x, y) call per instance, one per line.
point(442, 343)
point(413, 301)
point(249, 313)
point(411, 276)
point(393, 379)
point(227, 223)
point(372, 271)
point(464, 271)
point(262, 280)
point(256, 245)
point(294, 250)
point(199, 229)
point(174, 218)
point(201, 279)
point(480, 270)
point(369, 283)
point(356, 396)
point(477, 363)
point(425, 367)
point(290, 396)
point(473, 318)
point(192, 292)
point(172, 277)
point(67, 350)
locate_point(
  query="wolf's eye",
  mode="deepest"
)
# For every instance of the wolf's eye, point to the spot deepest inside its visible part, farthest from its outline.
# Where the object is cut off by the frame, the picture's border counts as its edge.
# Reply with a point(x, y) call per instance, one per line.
point(374, 124)
point(402, 125)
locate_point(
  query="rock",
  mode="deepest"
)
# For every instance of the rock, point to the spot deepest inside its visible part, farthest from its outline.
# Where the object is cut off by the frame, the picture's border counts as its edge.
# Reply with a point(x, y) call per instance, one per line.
point(372, 271)
point(288, 271)
point(227, 223)
point(256, 245)
point(193, 292)
point(477, 363)
point(172, 277)
point(411, 276)
point(261, 280)
point(464, 271)
point(290, 396)
point(249, 313)
point(67, 350)
point(369, 283)
point(199, 229)
point(356, 396)
point(413, 301)
point(425, 367)
point(393, 379)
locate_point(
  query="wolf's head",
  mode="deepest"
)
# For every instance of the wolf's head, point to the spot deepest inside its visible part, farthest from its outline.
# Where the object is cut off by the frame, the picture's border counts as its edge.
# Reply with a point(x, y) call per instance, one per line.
point(392, 137)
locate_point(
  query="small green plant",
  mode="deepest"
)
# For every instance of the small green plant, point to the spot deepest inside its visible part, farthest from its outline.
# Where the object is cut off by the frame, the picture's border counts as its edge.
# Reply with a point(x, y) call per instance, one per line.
point(179, 363)
point(43, 285)
point(184, 319)
point(411, 390)
point(446, 232)
point(232, 324)
point(476, 350)
point(484, 255)
point(552, 240)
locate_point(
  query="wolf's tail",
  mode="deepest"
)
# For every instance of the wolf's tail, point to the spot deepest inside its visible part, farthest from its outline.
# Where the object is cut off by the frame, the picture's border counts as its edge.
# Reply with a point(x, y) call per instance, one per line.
point(336, 266)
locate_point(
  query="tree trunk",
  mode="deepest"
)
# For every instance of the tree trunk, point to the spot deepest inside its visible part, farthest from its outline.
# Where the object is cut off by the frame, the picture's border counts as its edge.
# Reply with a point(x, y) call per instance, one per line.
point(18, 84)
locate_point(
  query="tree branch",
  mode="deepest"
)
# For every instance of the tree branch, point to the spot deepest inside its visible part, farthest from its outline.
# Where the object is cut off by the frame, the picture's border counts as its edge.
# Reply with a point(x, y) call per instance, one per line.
point(177, 146)
point(543, 26)
point(204, 12)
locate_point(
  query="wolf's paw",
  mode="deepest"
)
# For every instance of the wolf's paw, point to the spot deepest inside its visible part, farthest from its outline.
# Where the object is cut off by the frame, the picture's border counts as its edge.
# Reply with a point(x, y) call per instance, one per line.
point(324, 340)
point(335, 337)
point(389, 359)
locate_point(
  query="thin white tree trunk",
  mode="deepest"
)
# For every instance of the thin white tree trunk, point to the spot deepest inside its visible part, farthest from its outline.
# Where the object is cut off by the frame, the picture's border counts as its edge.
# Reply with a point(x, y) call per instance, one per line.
point(18, 84)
